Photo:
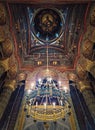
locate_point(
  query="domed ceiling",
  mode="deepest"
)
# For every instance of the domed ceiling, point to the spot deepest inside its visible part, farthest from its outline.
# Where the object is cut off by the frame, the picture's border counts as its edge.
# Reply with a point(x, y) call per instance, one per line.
point(47, 25)
point(59, 28)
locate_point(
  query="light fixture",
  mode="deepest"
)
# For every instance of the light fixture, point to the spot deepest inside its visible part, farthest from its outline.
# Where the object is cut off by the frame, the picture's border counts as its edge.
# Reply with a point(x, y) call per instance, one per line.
point(47, 102)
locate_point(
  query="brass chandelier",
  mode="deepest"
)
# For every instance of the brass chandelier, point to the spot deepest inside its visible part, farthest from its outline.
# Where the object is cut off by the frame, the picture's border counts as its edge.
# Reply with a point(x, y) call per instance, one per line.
point(47, 102)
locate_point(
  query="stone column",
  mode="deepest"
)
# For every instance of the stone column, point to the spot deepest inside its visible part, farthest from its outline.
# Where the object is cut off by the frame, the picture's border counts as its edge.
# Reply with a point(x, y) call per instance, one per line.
point(5, 95)
point(88, 97)
point(22, 115)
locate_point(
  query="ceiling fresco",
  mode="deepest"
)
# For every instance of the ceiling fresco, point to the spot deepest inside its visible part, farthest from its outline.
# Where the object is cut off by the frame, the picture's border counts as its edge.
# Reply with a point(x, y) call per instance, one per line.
point(46, 25)
point(60, 29)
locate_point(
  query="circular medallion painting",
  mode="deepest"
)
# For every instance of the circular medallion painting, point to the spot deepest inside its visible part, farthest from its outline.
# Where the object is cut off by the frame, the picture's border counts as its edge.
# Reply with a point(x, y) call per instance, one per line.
point(47, 25)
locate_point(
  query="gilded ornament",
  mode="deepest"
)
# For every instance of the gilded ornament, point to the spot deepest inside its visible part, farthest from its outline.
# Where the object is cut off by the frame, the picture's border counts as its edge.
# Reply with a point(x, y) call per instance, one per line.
point(2, 14)
point(88, 50)
point(13, 68)
point(10, 84)
point(2, 34)
point(92, 35)
point(6, 49)
point(86, 63)
point(12, 72)
point(92, 17)
point(82, 74)
point(5, 64)
point(84, 86)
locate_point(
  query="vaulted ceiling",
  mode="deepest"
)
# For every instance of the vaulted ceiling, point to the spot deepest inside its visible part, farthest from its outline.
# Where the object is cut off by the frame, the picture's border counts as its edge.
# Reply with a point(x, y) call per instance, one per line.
point(33, 36)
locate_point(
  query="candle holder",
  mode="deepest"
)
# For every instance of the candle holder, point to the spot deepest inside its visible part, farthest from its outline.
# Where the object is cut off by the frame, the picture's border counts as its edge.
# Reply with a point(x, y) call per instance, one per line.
point(49, 104)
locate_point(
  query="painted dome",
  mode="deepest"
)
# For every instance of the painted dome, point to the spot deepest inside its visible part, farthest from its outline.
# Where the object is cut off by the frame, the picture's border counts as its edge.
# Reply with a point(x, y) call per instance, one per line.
point(47, 24)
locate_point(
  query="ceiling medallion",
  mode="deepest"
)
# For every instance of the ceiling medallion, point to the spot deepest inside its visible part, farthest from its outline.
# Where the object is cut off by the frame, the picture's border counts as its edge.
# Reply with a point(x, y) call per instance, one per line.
point(47, 25)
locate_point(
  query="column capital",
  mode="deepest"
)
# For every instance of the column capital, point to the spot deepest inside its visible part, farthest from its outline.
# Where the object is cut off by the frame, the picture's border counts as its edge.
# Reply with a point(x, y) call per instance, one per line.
point(72, 76)
point(22, 76)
